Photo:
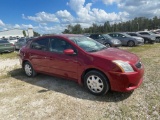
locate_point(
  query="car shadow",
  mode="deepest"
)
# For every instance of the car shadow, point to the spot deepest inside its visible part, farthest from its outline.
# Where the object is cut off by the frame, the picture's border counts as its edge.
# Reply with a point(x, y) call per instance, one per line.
point(68, 87)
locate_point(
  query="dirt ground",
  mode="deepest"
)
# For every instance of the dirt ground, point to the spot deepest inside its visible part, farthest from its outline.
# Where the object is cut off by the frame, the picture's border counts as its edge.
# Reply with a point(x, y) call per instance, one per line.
point(49, 98)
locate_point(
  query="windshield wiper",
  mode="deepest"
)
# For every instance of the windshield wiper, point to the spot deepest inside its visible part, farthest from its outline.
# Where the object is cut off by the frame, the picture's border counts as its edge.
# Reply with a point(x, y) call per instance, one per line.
point(93, 51)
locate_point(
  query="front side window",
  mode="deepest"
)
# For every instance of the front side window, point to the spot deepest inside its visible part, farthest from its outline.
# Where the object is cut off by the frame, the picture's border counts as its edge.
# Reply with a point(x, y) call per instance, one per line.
point(144, 33)
point(120, 35)
point(132, 34)
point(114, 35)
point(40, 44)
point(59, 45)
point(100, 37)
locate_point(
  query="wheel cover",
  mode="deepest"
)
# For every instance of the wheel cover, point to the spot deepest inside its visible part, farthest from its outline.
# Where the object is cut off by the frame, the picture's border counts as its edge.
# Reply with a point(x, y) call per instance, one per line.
point(107, 45)
point(131, 43)
point(28, 69)
point(95, 84)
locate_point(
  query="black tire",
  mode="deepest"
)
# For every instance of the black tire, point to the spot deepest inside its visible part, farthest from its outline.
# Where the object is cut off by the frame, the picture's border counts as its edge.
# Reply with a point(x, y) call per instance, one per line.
point(99, 86)
point(130, 43)
point(145, 41)
point(28, 69)
point(107, 45)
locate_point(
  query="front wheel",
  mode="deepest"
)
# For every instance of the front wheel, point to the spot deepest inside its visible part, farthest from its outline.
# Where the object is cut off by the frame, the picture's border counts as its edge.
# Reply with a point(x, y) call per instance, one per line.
point(96, 83)
point(107, 45)
point(28, 69)
point(131, 43)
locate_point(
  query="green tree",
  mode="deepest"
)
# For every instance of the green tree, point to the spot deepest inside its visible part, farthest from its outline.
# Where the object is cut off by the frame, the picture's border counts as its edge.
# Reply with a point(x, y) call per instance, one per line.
point(77, 29)
point(36, 34)
point(24, 33)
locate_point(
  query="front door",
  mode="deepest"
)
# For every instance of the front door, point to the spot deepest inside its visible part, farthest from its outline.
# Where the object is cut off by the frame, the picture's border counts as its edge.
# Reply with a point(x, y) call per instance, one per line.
point(62, 64)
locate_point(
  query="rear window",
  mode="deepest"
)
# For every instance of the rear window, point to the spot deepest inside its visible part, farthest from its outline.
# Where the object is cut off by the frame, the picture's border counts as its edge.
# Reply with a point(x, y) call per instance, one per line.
point(4, 41)
point(13, 38)
point(21, 40)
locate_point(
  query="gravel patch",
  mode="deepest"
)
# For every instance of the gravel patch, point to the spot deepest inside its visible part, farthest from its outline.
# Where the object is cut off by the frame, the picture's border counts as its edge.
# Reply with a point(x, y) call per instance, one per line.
point(7, 65)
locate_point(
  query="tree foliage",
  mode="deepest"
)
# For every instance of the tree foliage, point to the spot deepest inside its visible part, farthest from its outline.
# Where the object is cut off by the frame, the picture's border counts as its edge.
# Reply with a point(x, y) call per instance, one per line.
point(24, 33)
point(137, 24)
point(36, 34)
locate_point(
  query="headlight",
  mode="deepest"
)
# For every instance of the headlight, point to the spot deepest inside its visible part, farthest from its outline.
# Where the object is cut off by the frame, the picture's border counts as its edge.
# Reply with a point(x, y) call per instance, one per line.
point(114, 41)
point(124, 66)
point(152, 38)
point(140, 40)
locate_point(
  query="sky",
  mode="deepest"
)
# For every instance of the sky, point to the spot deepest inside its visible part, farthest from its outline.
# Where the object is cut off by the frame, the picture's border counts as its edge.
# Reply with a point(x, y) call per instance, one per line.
point(53, 16)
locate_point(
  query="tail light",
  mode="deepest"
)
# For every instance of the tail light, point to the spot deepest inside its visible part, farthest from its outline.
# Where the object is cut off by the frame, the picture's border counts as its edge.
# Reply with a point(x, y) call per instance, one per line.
point(12, 44)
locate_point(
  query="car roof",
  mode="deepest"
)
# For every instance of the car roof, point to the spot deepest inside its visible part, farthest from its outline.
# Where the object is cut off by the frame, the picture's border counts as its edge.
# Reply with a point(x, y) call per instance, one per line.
point(63, 35)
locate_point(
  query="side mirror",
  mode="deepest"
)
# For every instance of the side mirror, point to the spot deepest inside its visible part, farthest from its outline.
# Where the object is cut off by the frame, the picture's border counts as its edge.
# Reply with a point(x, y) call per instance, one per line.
point(123, 36)
point(69, 52)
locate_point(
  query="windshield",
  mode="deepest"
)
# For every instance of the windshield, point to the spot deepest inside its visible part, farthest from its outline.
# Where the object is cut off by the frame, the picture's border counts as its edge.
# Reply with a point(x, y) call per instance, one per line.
point(87, 44)
point(107, 36)
point(12, 38)
point(125, 34)
point(151, 33)
point(21, 40)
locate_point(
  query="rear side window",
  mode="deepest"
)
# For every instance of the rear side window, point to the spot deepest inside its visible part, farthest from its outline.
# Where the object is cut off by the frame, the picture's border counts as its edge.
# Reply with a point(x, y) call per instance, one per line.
point(40, 44)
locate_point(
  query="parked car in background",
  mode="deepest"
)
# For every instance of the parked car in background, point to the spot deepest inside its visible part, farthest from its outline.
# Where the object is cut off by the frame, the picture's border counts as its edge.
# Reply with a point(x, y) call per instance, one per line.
point(148, 33)
point(5, 46)
point(147, 39)
point(106, 40)
point(127, 39)
point(12, 40)
point(86, 34)
point(84, 60)
point(21, 42)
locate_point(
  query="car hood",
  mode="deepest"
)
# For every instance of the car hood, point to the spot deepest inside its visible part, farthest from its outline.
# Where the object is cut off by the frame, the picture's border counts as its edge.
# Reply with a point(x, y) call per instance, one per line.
point(136, 37)
point(116, 54)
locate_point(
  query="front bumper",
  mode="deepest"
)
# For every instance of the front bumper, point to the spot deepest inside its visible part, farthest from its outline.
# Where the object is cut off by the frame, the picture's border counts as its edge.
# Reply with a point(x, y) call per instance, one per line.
point(116, 45)
point(124, 82)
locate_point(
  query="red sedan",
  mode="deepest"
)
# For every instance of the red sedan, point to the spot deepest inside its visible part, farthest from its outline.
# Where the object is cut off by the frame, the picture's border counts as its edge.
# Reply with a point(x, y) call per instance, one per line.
point(84, 60)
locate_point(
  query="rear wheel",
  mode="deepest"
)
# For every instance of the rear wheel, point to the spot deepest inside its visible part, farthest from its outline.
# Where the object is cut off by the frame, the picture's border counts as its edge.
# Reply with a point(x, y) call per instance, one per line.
point(131, 43)
point(96, 83)
point(28, 69)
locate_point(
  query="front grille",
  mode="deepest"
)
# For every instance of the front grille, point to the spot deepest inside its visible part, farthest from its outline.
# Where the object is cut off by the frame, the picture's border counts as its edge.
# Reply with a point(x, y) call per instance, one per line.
point(138, 65)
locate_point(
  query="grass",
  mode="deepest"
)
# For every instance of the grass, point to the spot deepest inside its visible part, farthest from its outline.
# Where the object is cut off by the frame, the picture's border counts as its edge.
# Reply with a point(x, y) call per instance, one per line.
point(11, 55)
point(142, 48)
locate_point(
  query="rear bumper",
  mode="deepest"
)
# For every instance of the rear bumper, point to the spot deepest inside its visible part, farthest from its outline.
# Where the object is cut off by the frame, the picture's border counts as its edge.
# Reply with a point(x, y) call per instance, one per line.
point(7, 49)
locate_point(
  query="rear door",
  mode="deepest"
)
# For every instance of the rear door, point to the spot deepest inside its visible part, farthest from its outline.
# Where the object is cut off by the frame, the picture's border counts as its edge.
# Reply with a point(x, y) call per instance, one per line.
point(122, 38)
point(39, 54)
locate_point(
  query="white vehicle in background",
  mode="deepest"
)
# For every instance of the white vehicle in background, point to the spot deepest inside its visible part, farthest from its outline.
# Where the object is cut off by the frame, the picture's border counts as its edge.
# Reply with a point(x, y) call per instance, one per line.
point(13, 40)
